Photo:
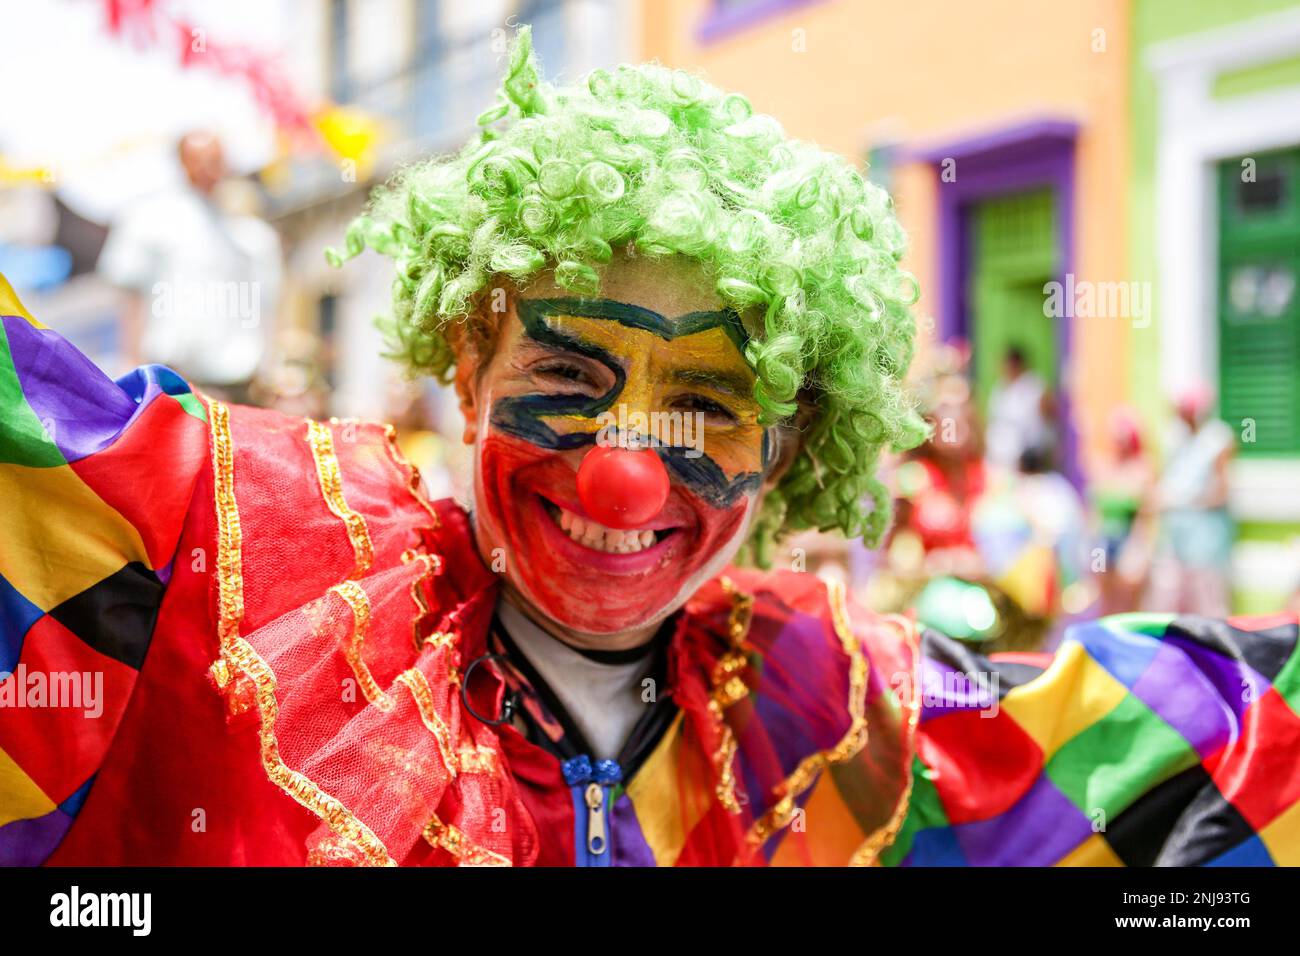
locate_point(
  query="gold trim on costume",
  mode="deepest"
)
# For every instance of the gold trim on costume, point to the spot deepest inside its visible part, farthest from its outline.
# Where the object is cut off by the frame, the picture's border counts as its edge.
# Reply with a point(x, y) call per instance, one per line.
point(243, 662)
point(742, 611)
point(729, 688)
point(410, 473)
point(230, 575)
point(432, 563)
point(440, 639)
point(464, 760)
point(321, 440)
point(354, 595)
point(414, 681)
point(849, 746)
point(449, 838)
point(341, 820)
point(868, 854)
point(724, 763)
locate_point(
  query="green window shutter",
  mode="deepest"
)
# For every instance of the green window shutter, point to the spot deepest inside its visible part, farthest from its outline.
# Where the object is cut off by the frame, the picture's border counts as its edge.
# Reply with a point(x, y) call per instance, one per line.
point(1259, 308)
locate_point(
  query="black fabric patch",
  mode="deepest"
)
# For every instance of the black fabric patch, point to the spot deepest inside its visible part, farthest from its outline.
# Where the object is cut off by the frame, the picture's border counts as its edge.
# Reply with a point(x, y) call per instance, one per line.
point(1140, 832)
point(1265, 650)
point(1208, 827)
point(116, 616)
point(946, 650)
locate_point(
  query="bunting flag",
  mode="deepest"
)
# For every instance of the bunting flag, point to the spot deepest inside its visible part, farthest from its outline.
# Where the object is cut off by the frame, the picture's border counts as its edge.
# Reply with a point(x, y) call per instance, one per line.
point(147, 22)
point(349, 133)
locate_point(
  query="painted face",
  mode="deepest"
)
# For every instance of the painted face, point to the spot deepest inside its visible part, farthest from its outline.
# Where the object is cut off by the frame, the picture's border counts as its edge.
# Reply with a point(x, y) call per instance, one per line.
point(569, 374)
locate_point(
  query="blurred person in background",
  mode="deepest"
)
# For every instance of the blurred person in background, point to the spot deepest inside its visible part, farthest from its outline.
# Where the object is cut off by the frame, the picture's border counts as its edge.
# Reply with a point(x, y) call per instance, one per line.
point(943, 479)
point(1046, 569)
point(202, 281)
point(1020, 412)
point(1192, 563)
point(1122, 487)
point(988, 554)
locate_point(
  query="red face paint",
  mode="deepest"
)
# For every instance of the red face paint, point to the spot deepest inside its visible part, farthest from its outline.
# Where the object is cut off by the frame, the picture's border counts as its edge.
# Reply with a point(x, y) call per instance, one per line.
point(557, 376)
point(591, 591)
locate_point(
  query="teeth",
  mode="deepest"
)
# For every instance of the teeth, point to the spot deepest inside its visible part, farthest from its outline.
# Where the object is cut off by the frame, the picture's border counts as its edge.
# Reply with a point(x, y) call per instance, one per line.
point(600, 538)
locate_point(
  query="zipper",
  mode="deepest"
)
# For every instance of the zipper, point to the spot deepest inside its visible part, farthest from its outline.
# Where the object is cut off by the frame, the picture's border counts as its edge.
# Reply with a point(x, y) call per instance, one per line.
point(591, 786)
point(595, 799)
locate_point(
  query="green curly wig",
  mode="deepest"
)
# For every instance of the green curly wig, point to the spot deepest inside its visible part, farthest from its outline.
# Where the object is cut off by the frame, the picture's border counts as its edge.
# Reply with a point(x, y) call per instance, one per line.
point(561, 175)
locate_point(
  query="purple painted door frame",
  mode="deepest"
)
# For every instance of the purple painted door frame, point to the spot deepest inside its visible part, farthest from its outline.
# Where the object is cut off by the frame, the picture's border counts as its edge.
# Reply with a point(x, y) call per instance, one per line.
point(1012, 159)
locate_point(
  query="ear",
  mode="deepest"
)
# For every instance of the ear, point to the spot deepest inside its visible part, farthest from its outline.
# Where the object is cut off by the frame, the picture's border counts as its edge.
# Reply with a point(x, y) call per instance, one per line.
point(788, 438)
point(787, 443)
point(466, 382)
point(473, 340)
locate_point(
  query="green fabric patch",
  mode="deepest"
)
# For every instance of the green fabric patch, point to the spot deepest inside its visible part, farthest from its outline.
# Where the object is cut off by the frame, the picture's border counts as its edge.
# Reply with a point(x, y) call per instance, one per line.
point(190, 402)
point(1138, 622)
point(1119, 758)
point(23, 438)
point(1287, 681)
point(924, 812)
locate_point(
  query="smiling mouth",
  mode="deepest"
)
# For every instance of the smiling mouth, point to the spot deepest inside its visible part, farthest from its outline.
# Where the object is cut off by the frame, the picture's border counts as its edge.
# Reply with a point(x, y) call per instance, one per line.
point(591, 534)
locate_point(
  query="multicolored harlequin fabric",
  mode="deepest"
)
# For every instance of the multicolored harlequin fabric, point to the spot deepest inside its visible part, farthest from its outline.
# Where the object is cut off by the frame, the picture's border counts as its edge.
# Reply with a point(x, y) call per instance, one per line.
point(228, 571)
point(88, 527)
point(1146, 740)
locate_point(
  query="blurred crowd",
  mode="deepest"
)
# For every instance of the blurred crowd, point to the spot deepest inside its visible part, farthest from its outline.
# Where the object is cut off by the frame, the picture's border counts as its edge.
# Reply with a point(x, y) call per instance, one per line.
point(996, 544)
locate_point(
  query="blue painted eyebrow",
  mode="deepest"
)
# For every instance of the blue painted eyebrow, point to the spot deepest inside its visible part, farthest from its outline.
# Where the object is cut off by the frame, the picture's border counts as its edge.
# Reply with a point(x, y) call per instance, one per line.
point(532, 313)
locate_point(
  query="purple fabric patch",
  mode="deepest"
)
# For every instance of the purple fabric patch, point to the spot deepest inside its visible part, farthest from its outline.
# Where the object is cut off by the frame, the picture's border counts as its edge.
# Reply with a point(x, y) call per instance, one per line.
point(30, 842)
point(800, 706)
point(1041, 828)
point(629, 844)
point(1236, 682)
point(83, 410)
point(945, 690)
point(1188, 700)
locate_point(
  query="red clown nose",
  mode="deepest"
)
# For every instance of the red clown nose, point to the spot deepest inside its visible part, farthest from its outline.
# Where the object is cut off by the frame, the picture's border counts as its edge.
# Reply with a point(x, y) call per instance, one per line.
point(622, 488)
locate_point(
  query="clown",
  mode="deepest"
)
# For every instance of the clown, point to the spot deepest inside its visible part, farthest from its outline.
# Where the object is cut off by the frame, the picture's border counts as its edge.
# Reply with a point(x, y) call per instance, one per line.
point(676, 336)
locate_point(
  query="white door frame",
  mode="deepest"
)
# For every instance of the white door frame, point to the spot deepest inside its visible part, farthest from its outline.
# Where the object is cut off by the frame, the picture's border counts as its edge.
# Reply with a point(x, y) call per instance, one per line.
point(1194, 132)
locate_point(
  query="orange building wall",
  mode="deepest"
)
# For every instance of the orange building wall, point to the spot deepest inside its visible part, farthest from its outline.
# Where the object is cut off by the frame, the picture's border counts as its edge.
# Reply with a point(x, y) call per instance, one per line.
point(929, 71)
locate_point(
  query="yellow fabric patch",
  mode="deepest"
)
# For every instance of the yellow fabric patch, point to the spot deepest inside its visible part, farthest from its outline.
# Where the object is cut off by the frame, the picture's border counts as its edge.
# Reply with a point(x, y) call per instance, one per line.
point(58, 536)
point(9, 304)
point(654, 791)
point(1075, 677)
point(1094, 851)
point(20, 798)
point(1282, 837)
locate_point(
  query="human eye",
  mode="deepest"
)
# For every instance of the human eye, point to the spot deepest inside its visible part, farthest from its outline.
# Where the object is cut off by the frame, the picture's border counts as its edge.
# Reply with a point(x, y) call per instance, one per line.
point(714, 412)
point(568, 373)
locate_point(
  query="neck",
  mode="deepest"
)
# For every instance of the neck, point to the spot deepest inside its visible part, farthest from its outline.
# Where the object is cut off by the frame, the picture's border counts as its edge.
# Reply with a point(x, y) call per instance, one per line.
point(620, 641)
